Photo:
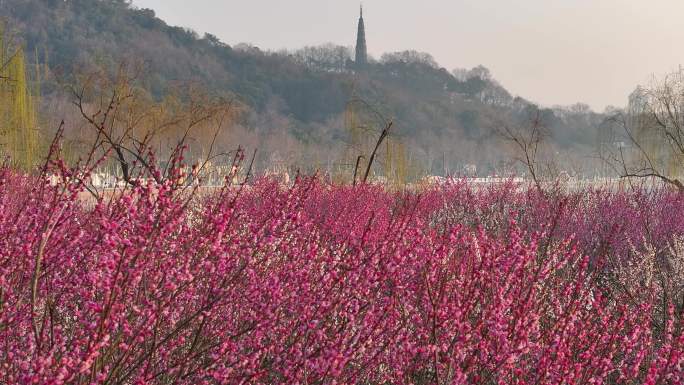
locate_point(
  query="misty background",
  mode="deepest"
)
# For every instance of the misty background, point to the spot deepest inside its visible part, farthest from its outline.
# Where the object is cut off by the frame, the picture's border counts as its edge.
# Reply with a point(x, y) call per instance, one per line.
point(466, 85)
point(552, 52)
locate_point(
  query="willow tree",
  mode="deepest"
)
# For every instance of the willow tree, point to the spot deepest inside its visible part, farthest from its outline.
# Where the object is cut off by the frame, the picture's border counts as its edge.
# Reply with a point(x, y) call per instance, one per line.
point(395, 162)
point(18, 122)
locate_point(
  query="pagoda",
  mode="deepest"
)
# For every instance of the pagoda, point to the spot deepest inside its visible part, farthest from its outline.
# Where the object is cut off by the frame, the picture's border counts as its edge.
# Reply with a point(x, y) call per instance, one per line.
point(361, 58)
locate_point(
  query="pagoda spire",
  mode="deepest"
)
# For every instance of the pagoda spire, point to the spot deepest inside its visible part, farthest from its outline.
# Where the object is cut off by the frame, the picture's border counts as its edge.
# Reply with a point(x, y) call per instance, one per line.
point(361, 58)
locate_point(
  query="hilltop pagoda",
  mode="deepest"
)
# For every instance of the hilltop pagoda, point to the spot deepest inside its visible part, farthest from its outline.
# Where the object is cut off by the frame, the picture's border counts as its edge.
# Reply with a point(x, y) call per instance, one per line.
point(361, 58)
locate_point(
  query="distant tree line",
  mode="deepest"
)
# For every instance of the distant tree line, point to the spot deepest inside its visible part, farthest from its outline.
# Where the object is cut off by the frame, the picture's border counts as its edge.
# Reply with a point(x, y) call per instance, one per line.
point(447, 118)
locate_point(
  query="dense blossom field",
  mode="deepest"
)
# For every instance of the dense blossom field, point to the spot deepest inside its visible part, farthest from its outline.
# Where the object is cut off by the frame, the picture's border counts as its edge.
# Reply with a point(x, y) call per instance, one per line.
point(320, 284)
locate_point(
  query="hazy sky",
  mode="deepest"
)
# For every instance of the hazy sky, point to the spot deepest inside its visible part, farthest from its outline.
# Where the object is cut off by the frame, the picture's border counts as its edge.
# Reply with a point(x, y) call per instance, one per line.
point(548, 51)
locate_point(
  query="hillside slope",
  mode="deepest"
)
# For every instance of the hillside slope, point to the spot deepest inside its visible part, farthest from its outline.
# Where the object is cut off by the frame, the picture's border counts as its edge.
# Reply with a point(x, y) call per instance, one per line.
point(438, 112)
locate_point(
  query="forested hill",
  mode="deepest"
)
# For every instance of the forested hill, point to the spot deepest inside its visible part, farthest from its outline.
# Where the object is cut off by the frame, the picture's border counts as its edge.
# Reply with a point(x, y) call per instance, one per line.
point(72, 34)
point(440, 109)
